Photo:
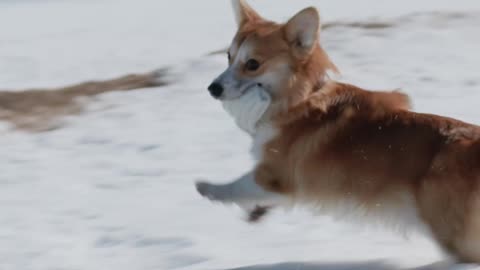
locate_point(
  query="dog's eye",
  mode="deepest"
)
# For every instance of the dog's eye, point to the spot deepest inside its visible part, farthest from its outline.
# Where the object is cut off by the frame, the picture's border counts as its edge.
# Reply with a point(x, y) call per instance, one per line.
point(252, 65)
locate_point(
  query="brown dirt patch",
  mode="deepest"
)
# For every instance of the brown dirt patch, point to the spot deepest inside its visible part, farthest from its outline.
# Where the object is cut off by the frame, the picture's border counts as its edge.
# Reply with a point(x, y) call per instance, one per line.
point(35, 110)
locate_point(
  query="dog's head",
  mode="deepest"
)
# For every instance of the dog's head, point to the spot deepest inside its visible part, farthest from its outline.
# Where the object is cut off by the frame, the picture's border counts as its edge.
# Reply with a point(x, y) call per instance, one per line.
point(283, 59)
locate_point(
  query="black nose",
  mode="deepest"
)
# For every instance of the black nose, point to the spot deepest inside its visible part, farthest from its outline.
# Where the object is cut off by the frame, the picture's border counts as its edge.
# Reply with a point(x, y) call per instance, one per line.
point(216, 90)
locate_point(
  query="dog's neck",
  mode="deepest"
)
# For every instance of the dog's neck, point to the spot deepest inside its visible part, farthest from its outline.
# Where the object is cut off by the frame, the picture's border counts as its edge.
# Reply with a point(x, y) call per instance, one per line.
point(249, 110)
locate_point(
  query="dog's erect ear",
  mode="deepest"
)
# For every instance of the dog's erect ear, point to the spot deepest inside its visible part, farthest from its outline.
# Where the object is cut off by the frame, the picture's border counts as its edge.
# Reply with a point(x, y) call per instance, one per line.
point(244, 13)
point(302, 31)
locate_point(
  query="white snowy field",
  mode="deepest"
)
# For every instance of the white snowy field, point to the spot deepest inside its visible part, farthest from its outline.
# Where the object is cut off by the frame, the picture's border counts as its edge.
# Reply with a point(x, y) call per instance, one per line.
point(113, 189)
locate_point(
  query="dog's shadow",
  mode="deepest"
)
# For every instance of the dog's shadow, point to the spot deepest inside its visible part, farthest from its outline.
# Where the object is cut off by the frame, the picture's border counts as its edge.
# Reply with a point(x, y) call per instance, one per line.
point(353, 266)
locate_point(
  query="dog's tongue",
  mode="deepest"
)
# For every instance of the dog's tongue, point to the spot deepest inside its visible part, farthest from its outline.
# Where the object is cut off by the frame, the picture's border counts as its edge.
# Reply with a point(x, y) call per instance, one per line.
point(248, 109)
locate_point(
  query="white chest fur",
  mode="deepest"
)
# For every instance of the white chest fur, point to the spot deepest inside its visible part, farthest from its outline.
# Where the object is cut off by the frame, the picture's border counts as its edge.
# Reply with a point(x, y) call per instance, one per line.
point(263, 135)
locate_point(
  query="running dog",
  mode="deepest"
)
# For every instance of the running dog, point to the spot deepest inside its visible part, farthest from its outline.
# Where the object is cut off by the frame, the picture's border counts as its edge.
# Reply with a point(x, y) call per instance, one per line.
point(331, 145)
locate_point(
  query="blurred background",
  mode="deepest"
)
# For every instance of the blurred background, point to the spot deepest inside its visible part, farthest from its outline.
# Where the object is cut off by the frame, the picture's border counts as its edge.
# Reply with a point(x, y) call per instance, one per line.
point(95, 178)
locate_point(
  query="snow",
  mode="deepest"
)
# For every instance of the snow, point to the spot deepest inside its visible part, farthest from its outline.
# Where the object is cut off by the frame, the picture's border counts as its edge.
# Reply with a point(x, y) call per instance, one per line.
point(114, 189)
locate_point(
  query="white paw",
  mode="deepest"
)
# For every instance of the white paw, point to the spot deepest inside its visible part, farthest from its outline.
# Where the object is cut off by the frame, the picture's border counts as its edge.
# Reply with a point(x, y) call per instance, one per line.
point(213, 192)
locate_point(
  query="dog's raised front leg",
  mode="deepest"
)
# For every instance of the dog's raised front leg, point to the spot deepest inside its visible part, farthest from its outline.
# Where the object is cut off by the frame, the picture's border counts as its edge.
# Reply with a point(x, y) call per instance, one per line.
point(244, 192)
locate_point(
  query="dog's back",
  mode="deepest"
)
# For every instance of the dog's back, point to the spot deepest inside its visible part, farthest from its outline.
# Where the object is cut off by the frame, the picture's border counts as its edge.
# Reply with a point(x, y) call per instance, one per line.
point(351, 145)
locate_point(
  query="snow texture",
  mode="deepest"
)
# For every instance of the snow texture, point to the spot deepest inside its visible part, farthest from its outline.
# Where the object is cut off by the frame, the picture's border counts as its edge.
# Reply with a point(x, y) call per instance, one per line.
point(113, 189)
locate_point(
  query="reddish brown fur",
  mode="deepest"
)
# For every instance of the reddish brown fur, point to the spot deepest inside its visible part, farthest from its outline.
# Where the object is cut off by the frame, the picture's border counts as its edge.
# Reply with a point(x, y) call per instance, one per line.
point(338, 143)
point(346, 143)
point(36, 109)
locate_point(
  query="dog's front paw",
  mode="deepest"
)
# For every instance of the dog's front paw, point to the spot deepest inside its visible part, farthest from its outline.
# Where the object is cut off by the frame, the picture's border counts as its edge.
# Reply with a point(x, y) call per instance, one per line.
point(203, 189)
point(213, 192)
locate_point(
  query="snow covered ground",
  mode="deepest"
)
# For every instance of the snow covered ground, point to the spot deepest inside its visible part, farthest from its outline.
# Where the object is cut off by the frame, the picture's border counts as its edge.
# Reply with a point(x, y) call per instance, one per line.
point(113, 189)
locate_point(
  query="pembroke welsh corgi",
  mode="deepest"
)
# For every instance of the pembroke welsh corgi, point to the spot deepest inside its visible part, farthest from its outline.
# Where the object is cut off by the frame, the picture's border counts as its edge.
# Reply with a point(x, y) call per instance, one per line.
point(332, 145)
